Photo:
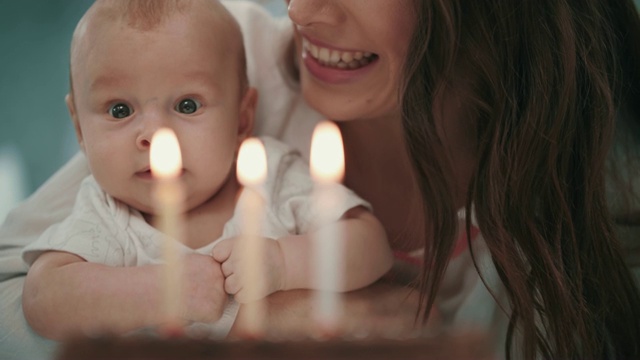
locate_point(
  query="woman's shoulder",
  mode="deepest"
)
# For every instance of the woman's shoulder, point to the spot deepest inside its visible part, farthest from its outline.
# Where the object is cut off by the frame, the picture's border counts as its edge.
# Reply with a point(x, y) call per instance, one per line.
point(244, 10)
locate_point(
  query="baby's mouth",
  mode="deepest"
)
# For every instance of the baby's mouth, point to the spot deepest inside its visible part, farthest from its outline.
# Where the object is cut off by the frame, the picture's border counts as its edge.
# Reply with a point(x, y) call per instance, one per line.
point(144, 174)
point(347, 60)
point(149, 173)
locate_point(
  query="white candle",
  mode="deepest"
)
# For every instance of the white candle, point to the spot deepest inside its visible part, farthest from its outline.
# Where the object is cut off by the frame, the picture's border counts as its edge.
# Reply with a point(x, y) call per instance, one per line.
point(252, 172)
point(168, 196)
point(327, 170)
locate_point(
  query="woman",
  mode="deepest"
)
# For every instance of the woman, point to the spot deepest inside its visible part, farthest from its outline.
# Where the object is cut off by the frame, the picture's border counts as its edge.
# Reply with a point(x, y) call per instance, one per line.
point(509, 109)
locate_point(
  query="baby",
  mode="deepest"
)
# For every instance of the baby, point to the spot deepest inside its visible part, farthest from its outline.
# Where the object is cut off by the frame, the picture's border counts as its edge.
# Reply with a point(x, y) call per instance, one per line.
point(137, 66)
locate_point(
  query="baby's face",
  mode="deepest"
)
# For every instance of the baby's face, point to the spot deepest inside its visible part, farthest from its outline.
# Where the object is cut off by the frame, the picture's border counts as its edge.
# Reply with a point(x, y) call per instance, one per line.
point(128, 83)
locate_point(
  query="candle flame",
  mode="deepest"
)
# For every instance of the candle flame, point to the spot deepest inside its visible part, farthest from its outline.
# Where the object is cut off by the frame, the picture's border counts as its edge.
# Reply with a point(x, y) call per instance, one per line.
point(327, 153)
point(252, 162)
point(166, 160)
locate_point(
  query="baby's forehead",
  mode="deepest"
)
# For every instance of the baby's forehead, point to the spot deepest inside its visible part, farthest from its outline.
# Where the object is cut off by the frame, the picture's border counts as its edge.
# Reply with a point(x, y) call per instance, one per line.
point(203, 25)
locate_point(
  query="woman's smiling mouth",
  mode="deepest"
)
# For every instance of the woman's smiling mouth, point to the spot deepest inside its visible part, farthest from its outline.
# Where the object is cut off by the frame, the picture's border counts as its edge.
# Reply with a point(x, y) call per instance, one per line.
point(344, 60)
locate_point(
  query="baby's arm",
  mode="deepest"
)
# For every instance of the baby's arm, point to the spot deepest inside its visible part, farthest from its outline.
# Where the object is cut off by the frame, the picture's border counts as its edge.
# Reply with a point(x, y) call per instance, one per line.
point(366, 253)
point(65, 295)
point(288, 260)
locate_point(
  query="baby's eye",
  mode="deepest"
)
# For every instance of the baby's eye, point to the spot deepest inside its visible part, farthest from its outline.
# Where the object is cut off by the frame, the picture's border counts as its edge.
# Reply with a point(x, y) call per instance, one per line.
point(120, 111)
point(188, 106)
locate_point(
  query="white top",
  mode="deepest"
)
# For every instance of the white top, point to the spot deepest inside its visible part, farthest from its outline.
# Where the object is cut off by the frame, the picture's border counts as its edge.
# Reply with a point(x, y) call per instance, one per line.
point(104, 230)
point(282, 111)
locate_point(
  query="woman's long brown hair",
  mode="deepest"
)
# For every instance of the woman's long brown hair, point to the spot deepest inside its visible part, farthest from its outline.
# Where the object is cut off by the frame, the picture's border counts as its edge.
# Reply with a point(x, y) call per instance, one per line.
point(544, 82)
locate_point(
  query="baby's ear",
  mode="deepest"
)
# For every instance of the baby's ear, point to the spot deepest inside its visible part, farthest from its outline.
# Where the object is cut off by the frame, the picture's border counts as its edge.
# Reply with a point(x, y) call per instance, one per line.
point(71, 106)
point(247, 114)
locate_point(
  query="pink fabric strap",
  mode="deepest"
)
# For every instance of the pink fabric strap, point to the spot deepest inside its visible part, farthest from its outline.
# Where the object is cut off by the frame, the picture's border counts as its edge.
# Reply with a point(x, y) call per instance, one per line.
point(460, 247)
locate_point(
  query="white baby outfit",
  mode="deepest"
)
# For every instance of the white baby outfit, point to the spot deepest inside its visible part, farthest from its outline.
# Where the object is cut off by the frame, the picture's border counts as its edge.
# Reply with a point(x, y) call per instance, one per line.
point(104, 230)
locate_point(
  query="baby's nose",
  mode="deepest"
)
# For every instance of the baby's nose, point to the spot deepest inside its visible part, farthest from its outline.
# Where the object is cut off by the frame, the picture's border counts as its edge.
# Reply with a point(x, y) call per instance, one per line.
point(150, 123)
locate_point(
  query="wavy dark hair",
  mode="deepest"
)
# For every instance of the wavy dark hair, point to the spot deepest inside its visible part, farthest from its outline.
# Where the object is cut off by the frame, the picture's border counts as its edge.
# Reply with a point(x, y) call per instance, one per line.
point(544, 84)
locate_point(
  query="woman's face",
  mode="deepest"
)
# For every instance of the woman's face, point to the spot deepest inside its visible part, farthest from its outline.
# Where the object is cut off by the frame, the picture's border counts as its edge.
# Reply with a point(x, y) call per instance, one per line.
point(351, 54)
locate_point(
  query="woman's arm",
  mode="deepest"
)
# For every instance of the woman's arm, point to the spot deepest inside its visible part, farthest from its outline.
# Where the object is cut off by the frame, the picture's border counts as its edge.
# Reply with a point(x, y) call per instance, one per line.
point(382, 309)
point(64, 295)
point(50, 204)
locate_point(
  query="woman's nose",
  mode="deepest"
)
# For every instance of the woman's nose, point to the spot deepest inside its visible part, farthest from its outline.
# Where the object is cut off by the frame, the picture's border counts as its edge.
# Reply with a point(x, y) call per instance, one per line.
point(309, 12)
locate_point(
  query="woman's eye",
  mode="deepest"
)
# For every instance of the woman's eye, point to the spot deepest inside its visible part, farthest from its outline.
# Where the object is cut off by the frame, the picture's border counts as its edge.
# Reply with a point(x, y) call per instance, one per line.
point(188, 106)
point(120, 111)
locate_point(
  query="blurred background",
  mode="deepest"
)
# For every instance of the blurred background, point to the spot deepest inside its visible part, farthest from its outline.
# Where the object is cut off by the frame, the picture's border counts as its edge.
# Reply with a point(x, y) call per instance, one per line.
point(36, 135)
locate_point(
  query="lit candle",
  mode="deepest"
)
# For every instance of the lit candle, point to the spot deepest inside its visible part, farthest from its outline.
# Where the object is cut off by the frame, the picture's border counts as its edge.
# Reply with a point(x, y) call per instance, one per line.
point(252, 172)
point(168, 196)
point(327, 170)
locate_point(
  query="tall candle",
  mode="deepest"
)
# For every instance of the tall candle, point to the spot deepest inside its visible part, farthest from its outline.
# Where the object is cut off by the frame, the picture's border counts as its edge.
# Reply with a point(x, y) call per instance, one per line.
point(252, 172)
point(327, 170)
point(168, 196)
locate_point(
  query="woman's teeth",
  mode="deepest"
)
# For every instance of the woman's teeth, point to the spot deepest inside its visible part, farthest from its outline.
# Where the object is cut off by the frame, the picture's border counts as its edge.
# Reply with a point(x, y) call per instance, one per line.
point(339, 59)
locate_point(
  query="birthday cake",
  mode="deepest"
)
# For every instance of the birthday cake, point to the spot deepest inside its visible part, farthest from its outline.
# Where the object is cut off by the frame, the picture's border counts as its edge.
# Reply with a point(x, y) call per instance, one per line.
point(460, 347)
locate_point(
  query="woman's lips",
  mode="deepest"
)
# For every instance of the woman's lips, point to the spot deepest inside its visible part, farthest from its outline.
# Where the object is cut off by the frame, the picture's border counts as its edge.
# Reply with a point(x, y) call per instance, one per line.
point(336, 66)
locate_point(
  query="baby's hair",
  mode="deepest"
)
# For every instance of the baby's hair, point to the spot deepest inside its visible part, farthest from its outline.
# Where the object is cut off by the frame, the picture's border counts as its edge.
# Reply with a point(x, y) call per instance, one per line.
point(147, 15)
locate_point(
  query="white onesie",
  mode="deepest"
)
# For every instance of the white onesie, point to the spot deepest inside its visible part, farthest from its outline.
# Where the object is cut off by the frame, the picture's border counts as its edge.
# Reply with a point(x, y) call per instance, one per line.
point(104, 230)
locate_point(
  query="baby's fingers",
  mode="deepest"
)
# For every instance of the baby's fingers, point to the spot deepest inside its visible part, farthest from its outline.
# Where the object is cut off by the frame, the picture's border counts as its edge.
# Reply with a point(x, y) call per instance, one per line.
point(232, 284)
point(227, 268)
point(222, 251)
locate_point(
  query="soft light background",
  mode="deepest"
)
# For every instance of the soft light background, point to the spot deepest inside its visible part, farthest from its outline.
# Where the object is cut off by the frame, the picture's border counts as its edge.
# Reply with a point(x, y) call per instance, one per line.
point(36, 136)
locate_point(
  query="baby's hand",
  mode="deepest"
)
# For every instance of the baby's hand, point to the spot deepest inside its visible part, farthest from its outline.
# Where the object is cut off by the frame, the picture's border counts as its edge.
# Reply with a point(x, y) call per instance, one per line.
point(271, 277)
point(204, 296)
